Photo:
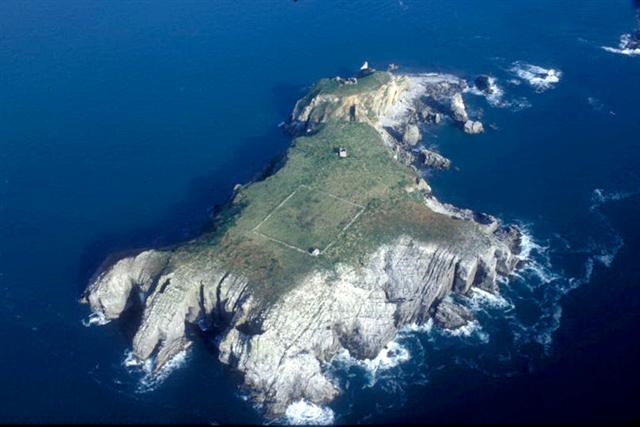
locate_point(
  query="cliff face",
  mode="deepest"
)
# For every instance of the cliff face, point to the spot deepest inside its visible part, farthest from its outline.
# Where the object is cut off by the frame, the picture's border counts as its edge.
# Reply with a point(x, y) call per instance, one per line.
point(347, 102)
point(279, 340)
point(281, 349)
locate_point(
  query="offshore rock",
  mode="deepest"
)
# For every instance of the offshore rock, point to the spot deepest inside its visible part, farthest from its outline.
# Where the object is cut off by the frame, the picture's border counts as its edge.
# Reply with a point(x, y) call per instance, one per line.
point(434, 160)
point(483, 83)
point(458, 109)
point(473, 127)
point(449, 315)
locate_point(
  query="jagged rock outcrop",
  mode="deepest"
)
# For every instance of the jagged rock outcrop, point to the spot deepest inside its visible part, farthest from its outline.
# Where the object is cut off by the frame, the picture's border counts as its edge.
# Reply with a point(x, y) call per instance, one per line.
point(460, 115)
point(434, 160)
point(458, 109)
point(449, 315)
point(279, 344)
point(483, 83)
point(366, 106)
point(109, 293)
point(411, 135)
point(281, 349)
point(473, 127)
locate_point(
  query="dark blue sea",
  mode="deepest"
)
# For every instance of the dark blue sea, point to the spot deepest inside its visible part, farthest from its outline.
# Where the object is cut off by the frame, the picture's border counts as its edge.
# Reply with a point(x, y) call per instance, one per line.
point(123, 123)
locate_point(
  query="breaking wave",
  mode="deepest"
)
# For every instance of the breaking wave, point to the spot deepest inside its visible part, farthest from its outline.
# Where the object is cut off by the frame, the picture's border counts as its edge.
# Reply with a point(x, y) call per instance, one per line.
point(540, 78)
point(306, 413)
point(495, 96)
point(149, 378)
point(625, 47)
point(471, 329)
point(480, 298)
point(95, 318)
point(392, 355)
point(512, 332)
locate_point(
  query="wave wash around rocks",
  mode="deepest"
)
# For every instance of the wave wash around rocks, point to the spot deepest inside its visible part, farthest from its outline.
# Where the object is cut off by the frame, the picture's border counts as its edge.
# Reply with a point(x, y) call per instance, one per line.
point(337, 250)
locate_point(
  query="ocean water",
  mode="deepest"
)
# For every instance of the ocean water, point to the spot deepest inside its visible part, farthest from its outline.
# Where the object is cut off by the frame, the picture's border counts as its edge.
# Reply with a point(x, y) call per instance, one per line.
point(122, 124)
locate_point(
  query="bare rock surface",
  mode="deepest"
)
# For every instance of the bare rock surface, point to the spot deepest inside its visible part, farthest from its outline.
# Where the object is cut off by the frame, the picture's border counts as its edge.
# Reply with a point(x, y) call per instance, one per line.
point(281, 347)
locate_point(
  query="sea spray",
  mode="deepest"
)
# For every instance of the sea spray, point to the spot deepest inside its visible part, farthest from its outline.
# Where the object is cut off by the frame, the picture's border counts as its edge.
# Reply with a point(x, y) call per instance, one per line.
point(625, 46)
point(150, 379)
point(95, 318)
point(392, 355)
point(496, 97)
point(541, 79)
point(306, 413)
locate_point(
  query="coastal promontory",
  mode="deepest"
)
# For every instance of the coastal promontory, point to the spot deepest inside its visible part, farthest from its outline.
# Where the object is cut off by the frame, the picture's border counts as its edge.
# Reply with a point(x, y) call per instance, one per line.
point(335, 250)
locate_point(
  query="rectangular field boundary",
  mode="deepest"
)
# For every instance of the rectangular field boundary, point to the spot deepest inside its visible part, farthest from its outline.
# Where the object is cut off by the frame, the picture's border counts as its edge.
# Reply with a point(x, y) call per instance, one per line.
point(361, 210)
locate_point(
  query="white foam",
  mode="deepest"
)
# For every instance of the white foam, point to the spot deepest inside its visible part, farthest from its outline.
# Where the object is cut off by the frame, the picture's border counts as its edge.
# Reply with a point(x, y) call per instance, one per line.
point(96, 318)
point(536, 258)
point(575, 282)
point(151, 378)
point(306, 413)
point(472, 329)
point(528, 245)
point(389, 357)
point(414, 327)
point(600, 196)
point(480, 297)
point(540, 78)
point(622, 48)
point(494, 95)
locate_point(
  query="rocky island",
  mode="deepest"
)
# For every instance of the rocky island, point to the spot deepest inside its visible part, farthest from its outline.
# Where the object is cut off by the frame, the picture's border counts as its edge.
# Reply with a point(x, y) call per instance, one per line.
point(337, 249)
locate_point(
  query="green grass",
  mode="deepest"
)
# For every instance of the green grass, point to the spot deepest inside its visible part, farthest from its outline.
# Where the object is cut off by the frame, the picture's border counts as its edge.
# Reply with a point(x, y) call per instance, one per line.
point(364, 84)
point(369, 177)
point(309, 219)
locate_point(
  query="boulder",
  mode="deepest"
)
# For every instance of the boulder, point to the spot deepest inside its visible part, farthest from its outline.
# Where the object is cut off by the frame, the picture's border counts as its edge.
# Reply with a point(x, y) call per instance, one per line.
point(483, 83)
point(422, 185)
point(458, 109)
point(449, 315)
point(473, 127)
point(411, 135)
point(434, 160)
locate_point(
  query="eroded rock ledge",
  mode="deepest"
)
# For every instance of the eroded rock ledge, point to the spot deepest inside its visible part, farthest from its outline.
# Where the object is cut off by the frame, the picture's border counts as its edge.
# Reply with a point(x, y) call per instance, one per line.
point(279, 323)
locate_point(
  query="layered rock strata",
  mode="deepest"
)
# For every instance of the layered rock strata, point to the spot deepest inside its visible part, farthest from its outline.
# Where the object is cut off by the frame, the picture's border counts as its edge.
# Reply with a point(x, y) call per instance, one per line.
point(281, 345)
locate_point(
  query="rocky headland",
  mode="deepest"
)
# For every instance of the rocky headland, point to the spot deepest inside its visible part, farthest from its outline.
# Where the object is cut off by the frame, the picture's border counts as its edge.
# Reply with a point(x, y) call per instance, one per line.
point(337, 250)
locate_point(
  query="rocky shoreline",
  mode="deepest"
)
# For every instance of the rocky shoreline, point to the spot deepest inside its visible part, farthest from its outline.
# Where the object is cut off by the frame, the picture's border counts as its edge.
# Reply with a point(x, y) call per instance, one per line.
point(280, 344)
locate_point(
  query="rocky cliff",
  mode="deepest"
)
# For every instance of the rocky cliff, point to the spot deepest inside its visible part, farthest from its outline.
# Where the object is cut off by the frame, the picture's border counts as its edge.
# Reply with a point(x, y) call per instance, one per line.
point(388, 252)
